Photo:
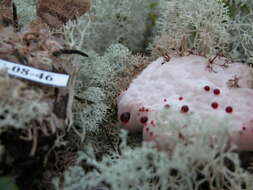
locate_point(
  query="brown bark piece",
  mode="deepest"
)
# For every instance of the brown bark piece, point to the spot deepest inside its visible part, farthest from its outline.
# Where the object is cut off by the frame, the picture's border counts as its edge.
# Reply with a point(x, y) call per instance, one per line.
point(34, 46)
point(56, 13)
point(5, 13)
point(6, 3)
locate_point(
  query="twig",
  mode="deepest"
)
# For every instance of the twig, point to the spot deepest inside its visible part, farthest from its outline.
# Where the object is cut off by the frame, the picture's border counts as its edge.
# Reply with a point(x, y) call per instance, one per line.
point(109, 139)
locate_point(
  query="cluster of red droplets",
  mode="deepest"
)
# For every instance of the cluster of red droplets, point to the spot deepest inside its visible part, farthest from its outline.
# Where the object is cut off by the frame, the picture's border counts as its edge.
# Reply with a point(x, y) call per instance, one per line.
point(143, 119)
point(185, 108)
point(143, 109)
point(215, 105)
point(148, 130)
point(125, 117)
point(216, 91)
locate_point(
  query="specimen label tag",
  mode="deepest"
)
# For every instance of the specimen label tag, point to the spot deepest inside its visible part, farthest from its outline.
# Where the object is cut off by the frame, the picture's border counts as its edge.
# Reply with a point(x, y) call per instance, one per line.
point(36, 75)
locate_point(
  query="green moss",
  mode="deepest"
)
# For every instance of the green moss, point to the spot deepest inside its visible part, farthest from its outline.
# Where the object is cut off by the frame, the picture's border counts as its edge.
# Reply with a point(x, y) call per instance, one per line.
point(7, 183)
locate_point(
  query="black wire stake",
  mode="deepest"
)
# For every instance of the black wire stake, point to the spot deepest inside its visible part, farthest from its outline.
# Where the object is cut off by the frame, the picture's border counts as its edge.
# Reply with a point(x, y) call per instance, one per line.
point(69, 51)
point(15, 17)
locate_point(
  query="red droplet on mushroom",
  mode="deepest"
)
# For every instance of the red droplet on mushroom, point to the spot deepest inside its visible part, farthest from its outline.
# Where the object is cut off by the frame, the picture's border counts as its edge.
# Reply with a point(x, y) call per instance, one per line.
point(229, 109)
point(215, 105)
point(147, 129)
point(147, 110)
point(165, 100)
point(144, 119)
point(184, 108)
point(151, 133)
point(180, 98)
point(216, 91)
point(206, 88)
point(244, 128)
point(125, 117)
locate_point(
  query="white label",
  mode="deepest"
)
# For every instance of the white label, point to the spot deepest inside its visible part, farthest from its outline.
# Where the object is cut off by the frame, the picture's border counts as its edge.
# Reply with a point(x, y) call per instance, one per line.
point(33, 74)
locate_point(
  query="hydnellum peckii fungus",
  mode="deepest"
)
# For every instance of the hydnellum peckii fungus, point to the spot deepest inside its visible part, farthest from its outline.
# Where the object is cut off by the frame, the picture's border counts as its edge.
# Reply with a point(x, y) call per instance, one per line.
point(190, 87)
point(38, 109)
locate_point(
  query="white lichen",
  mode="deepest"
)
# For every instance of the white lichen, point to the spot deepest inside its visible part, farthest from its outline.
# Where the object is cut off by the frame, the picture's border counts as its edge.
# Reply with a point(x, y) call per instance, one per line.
point(187, 25)
point(188, 168)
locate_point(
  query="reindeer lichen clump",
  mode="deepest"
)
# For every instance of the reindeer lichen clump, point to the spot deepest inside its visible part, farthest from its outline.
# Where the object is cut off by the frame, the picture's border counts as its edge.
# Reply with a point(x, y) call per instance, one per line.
point(33, 107)
point(194, 167)
point(199, 27)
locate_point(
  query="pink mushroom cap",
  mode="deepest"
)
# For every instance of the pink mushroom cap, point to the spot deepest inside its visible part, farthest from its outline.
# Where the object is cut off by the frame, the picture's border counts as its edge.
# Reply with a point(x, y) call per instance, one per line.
point(191, 85)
